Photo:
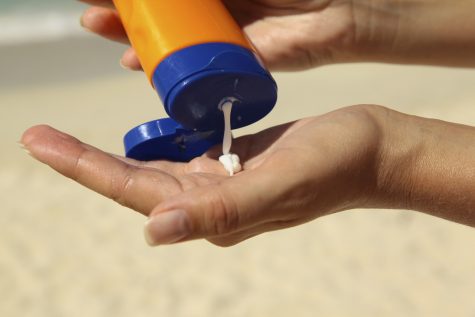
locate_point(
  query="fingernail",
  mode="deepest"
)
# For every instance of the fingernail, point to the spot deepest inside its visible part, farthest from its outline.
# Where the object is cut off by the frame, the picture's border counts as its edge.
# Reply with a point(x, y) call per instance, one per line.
point(83, 25)
point(121, 63)
point(167, 228)
point(22, 146)
point(81, 21)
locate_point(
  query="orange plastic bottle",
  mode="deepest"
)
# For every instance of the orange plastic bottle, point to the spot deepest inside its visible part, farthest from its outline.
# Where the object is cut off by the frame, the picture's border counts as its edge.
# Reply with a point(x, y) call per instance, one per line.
point(196, 56)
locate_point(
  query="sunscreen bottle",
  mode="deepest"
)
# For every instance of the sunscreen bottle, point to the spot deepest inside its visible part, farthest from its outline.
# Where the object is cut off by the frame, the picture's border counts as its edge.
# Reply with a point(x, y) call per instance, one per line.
point(197, 58)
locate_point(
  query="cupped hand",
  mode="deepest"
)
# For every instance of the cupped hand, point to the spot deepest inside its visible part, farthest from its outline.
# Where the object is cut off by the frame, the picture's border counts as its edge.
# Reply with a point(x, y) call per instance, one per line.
point(289, 34)
point(292, 174)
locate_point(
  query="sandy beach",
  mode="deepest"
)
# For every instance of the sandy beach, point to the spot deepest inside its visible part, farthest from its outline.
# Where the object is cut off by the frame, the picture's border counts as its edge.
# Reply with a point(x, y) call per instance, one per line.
point(65, 251)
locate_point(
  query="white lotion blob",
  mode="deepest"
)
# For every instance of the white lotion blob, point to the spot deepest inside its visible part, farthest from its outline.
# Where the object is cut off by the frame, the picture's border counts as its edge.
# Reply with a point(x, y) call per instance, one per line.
point(231, 163)
point(229, 160)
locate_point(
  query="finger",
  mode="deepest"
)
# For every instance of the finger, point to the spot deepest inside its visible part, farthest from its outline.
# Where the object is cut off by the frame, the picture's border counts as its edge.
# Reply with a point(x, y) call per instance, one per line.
point(214, 210)
point(102, 3)
point(130, 60)
point(174, 168)
point(241, 236)
point(104, 22)
point(137, 188)
point(200, 165)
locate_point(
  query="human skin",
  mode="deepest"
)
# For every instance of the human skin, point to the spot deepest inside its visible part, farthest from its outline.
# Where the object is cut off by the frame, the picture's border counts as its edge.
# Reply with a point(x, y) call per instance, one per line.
point(301, 34)
point(356, 157)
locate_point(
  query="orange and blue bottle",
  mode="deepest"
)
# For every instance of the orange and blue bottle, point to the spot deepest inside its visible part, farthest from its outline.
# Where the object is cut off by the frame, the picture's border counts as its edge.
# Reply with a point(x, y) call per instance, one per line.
point(196, 56)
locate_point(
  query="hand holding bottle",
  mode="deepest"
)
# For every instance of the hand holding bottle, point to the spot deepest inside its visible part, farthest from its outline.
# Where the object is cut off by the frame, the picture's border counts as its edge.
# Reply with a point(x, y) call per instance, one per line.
point(302, 34)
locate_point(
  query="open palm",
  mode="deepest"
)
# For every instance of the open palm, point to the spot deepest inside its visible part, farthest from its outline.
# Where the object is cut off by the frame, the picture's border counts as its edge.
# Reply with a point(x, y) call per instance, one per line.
point(291, 174)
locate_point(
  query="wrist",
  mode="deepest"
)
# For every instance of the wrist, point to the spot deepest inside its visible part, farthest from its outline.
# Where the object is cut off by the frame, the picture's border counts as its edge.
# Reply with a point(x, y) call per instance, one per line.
point(400, 145)
point(380, 178)
point(425, 165)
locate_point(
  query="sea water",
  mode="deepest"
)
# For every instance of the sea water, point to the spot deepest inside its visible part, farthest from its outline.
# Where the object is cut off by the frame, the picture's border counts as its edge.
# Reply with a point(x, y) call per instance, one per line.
point(28, 21)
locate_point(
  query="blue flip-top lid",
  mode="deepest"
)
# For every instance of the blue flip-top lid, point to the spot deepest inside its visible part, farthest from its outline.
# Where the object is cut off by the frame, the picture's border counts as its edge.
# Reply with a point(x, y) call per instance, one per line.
point(166, 139)
point(192, 83)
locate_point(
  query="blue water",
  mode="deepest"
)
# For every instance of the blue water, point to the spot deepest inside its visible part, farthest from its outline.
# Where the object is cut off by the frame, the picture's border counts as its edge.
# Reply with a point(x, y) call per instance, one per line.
point(24, 21)
point(9, 6)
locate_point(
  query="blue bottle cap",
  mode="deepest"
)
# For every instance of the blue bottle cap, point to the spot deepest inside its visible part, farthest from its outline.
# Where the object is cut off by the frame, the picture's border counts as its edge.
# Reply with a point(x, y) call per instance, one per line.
point(192, 83)
point(165, 139)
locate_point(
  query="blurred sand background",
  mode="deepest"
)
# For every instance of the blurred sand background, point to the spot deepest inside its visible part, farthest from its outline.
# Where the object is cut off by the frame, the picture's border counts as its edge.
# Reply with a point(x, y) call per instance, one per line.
point(65, 251)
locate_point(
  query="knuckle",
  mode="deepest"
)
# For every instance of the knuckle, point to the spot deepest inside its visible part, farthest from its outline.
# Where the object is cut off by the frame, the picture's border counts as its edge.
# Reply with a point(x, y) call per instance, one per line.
point(78, 166)
point(120, 188)
point(223, 216)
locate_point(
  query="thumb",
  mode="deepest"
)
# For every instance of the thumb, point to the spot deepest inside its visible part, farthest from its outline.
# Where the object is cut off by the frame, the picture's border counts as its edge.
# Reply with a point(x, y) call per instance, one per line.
point(208, 211)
